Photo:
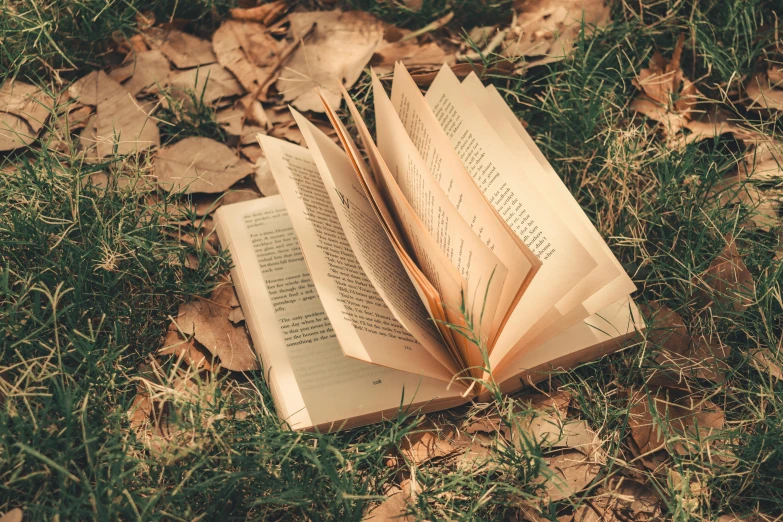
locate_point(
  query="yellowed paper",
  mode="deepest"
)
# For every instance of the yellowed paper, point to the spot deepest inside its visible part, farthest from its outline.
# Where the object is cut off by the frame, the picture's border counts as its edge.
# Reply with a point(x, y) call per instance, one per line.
point(607, 282)
point(365, 327)
point(476, 262)
point(447, 170)
point(370, 244)
point(511, 188)
point(312, 382)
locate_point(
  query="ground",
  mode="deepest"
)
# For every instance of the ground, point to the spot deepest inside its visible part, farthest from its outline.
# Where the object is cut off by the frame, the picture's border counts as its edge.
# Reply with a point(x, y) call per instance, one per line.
point(684, 423)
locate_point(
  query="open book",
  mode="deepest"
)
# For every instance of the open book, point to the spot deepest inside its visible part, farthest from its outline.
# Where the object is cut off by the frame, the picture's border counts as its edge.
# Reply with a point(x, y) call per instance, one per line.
point(440, 257)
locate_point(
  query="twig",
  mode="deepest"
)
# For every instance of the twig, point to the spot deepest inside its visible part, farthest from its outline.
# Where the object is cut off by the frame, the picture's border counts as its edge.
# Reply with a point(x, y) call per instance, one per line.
point(437, 24)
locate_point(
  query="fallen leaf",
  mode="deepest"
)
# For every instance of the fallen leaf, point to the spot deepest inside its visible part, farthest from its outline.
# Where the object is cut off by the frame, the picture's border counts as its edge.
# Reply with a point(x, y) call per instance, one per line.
point(182, 49)
point(645, 432)
point(713, 122)
point(763, 94)
point(236, 316)
point(14, 132)
point(416, 57)
point(477, 453)
point(209, 84)
point(199, 164)
point(394, 508)
point(264, 179)
point(265, 14)
point(572, 472)
point(668, 96)
point(252, 153)
point(207, 320)
point(231, 119)
point(143, 72)
point(727, 281)
point(764, 361)
point(186, 349)
point(121, 124)
point(27, 102)
point(764, 161)
point(338, 50)
point(15, 515)
point(248, 51)
point(549, 29)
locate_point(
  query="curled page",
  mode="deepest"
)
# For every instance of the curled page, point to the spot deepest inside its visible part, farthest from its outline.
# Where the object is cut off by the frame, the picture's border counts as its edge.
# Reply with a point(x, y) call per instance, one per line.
point(364, 325)
point(514, 192)
point(447, 170)
point(450, 285)
point(476, 262)
point(370, 244)
point(607, 282)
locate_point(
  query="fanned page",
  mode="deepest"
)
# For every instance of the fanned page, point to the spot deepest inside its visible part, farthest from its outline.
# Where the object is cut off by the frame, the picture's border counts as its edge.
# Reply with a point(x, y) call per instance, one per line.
point(370, 244)
point(313, 384)
point(483, 271)
point(447, 170)
point(602, 333)
point(515, 192)
point(426, 291)
point(607, 282)
point(365, 326)
point(432, 262)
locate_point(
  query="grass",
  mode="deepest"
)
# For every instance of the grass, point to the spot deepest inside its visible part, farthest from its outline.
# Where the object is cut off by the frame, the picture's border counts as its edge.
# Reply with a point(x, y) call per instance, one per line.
point(88, 279)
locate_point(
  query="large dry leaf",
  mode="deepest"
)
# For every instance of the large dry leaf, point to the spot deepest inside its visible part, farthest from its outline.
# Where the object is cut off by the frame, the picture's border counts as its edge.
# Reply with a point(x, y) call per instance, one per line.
point(15, 515)
point(14, 132)
point(394, 508)
point(620, 502)
point(549, 29)
point(248, 51)
point(27, 102)
point(186, 349)
point(340, 47)
point(764, 94)
point(571, 472)
point(727, 281)
point(183, 49)
point(764, 161)
point(765, 362)
point(416, 57)
point(266, 13)
point(668, 96)
point(207, 320)
point(712, 122)
point(199, 165)
point(232, 119)
point(121, 123)
point(143, 72)
point(209, 84)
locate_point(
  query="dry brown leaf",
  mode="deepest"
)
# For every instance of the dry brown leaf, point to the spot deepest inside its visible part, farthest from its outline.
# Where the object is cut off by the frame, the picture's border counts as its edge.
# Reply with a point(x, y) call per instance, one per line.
point(394, 508)
point(645, 433)
point(265, 14)
point(620, 502)
point(207, 320)
point(247, 50)
point(264, 179)
point(416, 57)
point(210, 84)
point(549, 29)
point(231, 119)
point(765, 362)
point(186, 349)
point(121, 123)
point(340, 47)
point(727, 281)
point(142, 72)
point(668, 96)
point(14, 132)
point(252, 153)
point(764, 94)
point(15, 515)
point(183, 49)
point(27, 102)
point(571, 471)
point(199, 164)
point(477, 453)
point(712, 122)
point(764, 161)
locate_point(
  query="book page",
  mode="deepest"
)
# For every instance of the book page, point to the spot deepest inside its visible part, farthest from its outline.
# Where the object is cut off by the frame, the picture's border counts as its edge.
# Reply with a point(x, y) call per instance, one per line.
point(484, 272)
point(447, 170)
point(369, 242)
point(511, 188)
point(450, 285)
point(601, 333)
point(312, 382)
point(365, 327)
point(607, 282)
